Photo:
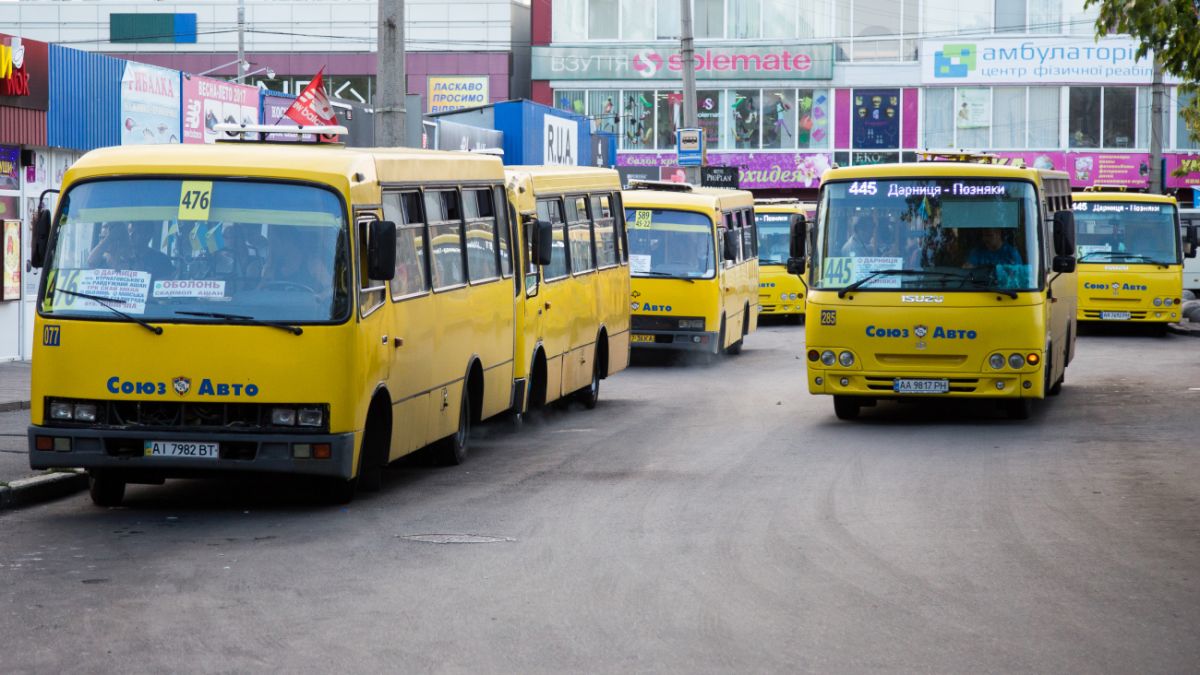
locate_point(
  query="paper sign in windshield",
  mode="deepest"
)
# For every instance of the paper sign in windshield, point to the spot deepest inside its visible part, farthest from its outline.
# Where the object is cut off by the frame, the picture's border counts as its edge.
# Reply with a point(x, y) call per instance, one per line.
point(195, 198)
point(189, 288)
point(123, 289)
point(845, 271)
point(639, 263)
point(642, 219)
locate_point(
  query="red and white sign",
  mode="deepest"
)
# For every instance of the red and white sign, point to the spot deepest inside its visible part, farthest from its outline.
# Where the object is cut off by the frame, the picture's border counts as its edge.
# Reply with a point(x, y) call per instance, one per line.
point(311, 107)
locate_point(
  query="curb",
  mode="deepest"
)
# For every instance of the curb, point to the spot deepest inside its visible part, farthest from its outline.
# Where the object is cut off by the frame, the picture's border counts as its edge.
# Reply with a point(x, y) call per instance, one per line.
point(9, 406)
point(1189, 330)
point(42, 488)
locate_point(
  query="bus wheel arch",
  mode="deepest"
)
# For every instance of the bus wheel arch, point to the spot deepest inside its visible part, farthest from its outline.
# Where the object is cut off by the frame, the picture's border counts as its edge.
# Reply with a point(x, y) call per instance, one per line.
point(537, 380)
point(589, 395)
point(474, 385)
point(376, 443)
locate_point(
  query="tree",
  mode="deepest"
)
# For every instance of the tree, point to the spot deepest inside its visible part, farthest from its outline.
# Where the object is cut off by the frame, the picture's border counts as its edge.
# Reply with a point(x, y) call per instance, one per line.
point(1170, 29)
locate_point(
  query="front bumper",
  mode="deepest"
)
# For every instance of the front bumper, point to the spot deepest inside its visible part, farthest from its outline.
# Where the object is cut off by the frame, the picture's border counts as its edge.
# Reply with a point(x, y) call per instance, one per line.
point(782, 308)
point(1152, 315)
point(692, 341)
point(879, 384)
point(256, 453)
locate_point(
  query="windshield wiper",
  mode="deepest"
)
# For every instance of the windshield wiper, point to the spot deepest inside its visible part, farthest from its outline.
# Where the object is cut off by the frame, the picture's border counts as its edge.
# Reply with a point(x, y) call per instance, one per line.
point(241, 318)
point(1132, 256)
point(888, 273)
point(103, 301)
point(990, 287)
point(667, 275)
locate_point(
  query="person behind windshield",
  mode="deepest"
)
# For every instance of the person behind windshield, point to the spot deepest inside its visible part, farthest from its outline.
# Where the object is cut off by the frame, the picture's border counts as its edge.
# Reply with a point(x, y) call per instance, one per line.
point(860, 243)
point(992, 250)
point(295, 259)
point(130, 247)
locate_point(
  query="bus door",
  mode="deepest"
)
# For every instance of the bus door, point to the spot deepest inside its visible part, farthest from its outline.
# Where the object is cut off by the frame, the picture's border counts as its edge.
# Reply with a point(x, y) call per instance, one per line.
point(410, 340)
point(371, 300)
point(554, 297)
point(581, 288)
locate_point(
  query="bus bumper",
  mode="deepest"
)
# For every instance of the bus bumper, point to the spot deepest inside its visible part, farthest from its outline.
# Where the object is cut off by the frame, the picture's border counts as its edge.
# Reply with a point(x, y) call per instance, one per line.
point(1156, 315)
point(961, 385)
point(692, 341)
point(781, 309)
point(257, 453)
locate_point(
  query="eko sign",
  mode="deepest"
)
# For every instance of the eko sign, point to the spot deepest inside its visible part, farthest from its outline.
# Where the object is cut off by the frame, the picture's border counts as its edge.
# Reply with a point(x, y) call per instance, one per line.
point(662, 62)
point(1033, 61)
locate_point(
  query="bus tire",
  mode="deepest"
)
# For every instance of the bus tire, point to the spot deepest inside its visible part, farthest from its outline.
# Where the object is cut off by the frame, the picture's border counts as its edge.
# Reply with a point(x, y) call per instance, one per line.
point(590, 394)
point(374, 453)
point(1018, 408)
point(846, 407)
point(1056, 388)
point(338, 491)
point(105, 488)
point(453, 448)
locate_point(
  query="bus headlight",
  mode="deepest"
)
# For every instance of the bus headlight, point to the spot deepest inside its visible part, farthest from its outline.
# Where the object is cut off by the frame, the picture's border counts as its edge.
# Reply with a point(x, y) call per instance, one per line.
point(1016, 360)
point(1158, 302)
point(283, 417)
point(1166, 302)
point(996, 361)
point(310, 417)
point(783, 296)
point(61, 410)
point(85, 412)
point(828, 358)
point(846, 359)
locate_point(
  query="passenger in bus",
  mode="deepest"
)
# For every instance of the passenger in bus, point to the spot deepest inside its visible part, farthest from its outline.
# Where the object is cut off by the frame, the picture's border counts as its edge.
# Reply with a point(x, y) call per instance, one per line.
point(129, 246)
point(860, 244)
point(992, 250)
point(295, 261)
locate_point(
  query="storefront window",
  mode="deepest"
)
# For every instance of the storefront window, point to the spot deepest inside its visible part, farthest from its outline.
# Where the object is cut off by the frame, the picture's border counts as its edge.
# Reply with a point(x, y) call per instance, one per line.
point(812, 118)
point(745, 119)
point(876, 117)
point(1144, 108)
point(1077, 20)
point(668, 20)
point(569, 20)
point(779, 19)
point(876, 27)
point(779, 118)
point(708, 114)
point(638, 120)
point(571, 101)
point(1044, 104)
point(637, 20)
point(1044, 16)
point(605, 110)
point(745, 19)
point(669, 110)
point(708, 18)
point(602, 19)
point(1010, 16)
point(973, 117)
point(1004, 118)
point(1083, 110)
point(950, 17)
point(1120, 116)
point(1183, 139)
point(939, 118)
point(1008, 117)
point(816, 18)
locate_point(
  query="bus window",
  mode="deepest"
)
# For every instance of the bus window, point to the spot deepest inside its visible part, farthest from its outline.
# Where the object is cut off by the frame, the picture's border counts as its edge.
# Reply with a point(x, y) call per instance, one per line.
point(500, 204)
point(445, 232)
point(606, 239)
point(622, 234)
point(404, 209)
point(550, 211)
point(748, 238)
point(580, 230)
point(481, 235)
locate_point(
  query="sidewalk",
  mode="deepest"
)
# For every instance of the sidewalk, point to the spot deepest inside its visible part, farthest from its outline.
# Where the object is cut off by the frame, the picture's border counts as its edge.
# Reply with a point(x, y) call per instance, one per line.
point(20, 485)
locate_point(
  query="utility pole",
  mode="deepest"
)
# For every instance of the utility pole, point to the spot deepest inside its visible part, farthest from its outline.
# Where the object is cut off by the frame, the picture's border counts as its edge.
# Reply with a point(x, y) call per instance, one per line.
point(241, 64)
point(687, 56)
point(390, 80)
point(1156, 128)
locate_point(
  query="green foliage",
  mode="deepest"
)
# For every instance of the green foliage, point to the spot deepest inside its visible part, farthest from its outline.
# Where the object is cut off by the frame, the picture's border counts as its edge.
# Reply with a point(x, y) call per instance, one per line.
point(1170, 29)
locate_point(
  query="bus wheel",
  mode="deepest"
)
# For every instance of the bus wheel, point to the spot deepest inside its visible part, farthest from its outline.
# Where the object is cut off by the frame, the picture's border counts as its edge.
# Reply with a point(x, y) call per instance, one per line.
point(105, 488)
point(590, 394)
point(454, 447)
point(845, 407)
point(1056, 388)
point(735, 348)
point(1018, 408)
point(338, 491)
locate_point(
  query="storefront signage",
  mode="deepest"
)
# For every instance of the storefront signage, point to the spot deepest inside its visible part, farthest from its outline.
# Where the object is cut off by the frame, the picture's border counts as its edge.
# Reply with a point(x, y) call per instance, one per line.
point(10, 171)
point(876, 119)
point(1127, 169)
point(1188, 168)
point(560, 141)
point(23, 73)
point(274, 111)
point(756, 170)
point(445, 93)
point(719, 176)
point(149, 105)
point(208, 102)
point(10, 271)
point(663, 62)
point(1033, 61)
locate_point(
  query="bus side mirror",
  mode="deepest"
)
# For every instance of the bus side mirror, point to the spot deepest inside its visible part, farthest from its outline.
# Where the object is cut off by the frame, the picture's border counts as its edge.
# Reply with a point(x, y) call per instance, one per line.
point(543, 242)
point(381, 250)
point(730, 245)
point(1064, 264)
point(41, 237)
point(1064, 233)
point(1191, 241)
point(796, 259)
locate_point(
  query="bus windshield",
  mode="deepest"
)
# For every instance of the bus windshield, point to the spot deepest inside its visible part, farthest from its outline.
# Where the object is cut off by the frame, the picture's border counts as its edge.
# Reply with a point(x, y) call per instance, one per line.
point(946, 234)
point(774, 237)
point(670, 243)
point(1126, 232)
point(199, 250)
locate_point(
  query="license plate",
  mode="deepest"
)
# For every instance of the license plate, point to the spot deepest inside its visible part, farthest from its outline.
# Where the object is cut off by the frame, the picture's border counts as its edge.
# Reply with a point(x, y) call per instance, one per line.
point(641, 338)
point(1115, 316)
point(921, 386)
point(175, 449)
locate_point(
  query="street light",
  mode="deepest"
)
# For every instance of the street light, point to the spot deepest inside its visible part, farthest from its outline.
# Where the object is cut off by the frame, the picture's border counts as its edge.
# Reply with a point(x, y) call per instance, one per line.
point(245, 66)
point(270, 73)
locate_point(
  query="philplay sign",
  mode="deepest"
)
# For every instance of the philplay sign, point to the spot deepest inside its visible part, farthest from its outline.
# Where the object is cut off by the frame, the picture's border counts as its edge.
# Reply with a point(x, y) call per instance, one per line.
point(661, 62)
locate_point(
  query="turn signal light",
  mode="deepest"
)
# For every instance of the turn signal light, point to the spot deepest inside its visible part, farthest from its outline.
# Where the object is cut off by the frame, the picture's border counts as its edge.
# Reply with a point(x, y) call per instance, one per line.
point(813, 355)
point(45, 443)
point(322, 451)
point(1033, 359)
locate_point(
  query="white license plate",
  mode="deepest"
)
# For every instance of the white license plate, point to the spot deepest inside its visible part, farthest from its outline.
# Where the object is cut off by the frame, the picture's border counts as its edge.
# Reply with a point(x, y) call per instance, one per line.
point(1115, 316)
point(174, 449)
point(921, 386)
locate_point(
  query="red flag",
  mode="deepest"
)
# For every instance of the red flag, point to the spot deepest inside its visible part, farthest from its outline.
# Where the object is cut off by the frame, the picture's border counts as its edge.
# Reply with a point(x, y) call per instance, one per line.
point(311, 107)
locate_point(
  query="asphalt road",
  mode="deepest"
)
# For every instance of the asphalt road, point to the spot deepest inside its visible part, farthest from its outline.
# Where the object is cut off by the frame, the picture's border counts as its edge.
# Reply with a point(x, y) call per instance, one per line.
point(701, 519)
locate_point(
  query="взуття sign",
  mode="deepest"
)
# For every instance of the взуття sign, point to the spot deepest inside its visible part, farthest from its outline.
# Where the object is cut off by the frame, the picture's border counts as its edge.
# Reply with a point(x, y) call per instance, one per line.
point(663, 62)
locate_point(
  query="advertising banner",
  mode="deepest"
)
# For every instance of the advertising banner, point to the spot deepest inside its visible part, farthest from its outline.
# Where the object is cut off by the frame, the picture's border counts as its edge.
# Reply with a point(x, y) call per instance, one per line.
point(274, 111)
point(1188, 166)
point(455, 92)
point(650, 61)
point(10, 167)
point(561, 141)
point(876, 119)
point(1126, 169)
point(974, 109)
point(208, 102)
point(10, 271)
point(24, 73)
point(149, 105)
point(455, 136)
point(1033, 61)
point(755, 169)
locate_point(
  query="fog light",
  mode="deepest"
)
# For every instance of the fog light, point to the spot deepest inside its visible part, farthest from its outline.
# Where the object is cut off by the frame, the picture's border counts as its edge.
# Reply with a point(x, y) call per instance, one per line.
point(827, 357)
point(85, 412)
point(60, 410)
point(1172, 315)
point(1158, 315)
point(818, 381)
point(1159, 301)
point(301, 450)
point(813, 355)
point(846, 359)
point(696, 339)
point(1027, 384)
point(322, 451)
point(62, 444)
point(845, 382)
point(44, 443)
point(283, 417)
point(1033, 359)
point(996, 361)
point(310, 417)
point(1000, 385)
point(1016, 361)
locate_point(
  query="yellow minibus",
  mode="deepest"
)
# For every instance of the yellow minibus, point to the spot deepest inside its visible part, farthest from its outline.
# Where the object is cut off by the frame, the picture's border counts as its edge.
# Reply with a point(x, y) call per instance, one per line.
point(1130, 255)
point(780, 293)
point(573, 314)
point(940, 279)
point(694, 262)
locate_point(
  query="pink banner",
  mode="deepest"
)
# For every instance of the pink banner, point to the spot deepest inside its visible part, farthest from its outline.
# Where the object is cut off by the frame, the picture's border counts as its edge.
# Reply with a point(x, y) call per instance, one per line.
point(1188, 166)
point(1126, 169)
point(757, 169)
point(208, 102)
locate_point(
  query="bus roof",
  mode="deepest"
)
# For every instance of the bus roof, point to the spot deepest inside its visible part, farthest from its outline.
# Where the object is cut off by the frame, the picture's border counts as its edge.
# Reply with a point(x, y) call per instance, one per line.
point(1136, 197)
point(558, 179)
point(301, 161)
point(783, 206)
point(939, 170)
point(697, 197)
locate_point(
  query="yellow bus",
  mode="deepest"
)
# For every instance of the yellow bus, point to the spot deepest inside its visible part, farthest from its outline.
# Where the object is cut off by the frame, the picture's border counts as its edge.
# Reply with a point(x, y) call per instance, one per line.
point(780, 293)
point(573, 314)
point(1130, 257)
point(286, 308)
point(940, 279)
point(694, 262)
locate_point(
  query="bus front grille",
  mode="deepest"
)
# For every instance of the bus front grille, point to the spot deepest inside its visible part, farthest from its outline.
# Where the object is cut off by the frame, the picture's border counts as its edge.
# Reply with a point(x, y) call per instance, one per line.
point(963, 385)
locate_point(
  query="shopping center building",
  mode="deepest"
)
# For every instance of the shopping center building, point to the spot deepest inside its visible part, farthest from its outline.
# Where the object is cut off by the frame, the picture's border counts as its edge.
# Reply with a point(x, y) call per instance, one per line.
point(787, 88)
